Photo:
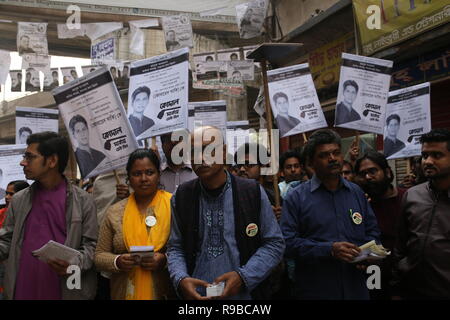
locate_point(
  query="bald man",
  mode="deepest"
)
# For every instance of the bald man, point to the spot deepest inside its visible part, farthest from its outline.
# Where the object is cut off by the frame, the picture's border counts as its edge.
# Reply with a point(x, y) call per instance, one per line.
point(223, 228)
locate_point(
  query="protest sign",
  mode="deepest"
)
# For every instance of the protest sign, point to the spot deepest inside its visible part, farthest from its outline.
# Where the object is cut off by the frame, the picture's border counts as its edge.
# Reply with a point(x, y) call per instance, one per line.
point(407, 118)
point(103, 52)
point(16, 80)
point(250, 18)
point(208, 113)
point(10, 168)
point(238, 133)
point(158, 94)
point(32, 38)
point(69, 74)
point(94, 116)
point(232, 54)
point(32, 82)
point(177, 31)
point(36, 61)
point(5, 63)
point(34, 120)
point(363, 92)
point(51, 79)
point(241, 70)
point(88, 69)
point(294, 100)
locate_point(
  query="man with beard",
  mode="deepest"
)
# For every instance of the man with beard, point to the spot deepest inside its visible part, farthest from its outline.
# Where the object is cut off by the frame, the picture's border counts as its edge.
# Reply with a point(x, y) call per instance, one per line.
point(223, 228)
point(375, 178)
point(421, 254)
point(324, 221)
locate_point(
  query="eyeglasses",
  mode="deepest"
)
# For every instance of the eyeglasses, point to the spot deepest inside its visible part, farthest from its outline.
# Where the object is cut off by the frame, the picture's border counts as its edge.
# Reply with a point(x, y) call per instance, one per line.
point(27, 156)
point(371, 172)
point(246, 165)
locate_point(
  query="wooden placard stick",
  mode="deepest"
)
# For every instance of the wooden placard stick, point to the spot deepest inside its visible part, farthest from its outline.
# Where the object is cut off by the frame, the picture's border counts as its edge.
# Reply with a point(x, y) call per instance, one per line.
point(269, 127)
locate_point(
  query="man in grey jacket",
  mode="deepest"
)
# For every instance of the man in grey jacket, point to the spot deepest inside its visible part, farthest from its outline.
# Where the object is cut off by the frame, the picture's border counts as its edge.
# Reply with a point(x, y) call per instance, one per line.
point(422, 259)
point(50, 209)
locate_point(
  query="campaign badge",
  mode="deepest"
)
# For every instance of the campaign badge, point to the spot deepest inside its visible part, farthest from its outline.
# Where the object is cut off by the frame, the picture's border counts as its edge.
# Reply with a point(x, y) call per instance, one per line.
point(357, 218)
point(251, 230)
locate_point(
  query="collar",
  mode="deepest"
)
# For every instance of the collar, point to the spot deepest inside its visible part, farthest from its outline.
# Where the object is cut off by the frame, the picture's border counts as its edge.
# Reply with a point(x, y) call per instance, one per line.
point(224, 188)
point(316, 183)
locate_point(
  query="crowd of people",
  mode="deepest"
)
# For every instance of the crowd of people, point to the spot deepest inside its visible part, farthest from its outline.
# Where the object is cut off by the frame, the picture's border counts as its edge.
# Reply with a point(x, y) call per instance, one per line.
point(215, 224)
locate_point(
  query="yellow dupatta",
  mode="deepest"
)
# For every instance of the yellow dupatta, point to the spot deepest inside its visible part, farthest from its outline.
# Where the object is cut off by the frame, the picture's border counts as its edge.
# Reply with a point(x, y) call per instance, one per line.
point(140, 282)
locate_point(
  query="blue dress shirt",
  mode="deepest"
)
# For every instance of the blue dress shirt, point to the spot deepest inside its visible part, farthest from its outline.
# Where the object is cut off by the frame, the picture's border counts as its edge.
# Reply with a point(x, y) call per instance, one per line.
point(312, 219)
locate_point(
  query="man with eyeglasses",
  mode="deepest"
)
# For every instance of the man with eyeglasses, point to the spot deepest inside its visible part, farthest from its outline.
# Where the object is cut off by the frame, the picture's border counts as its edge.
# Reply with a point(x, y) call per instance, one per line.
point(324, 221)
point(50, 209)
point(375, 177)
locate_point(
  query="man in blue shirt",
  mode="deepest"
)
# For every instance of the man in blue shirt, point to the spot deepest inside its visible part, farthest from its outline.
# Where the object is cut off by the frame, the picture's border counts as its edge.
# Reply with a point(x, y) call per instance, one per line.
point(324, 220)
point(223, 230)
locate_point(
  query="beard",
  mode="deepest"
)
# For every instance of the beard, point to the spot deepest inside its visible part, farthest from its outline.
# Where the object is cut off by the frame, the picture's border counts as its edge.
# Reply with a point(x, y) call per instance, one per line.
point(376, 189)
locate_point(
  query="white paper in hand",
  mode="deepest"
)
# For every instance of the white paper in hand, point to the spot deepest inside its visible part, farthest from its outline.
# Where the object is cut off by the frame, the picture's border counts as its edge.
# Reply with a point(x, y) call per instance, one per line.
point(54, 250)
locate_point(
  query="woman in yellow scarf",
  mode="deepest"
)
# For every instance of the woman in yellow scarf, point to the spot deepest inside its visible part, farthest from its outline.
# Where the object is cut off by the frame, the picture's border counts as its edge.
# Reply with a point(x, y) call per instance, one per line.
point(143, 219)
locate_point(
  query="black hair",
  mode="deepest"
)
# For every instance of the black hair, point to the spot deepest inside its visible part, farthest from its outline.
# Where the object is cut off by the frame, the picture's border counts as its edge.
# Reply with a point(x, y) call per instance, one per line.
point(351, 83)
point(289, 154)
point(167, 137)
point(54, 71)
point(140, 90)
point(234, 54)
point(23, 129)
point(319, 137)
point(247, 147)
point(75, 119)
point(142, 154)
point(51, 143)
point(19, 185)
point(348, 163)
point(437, 135)
point(378, 158)
point(280, 95)
point(392, 117)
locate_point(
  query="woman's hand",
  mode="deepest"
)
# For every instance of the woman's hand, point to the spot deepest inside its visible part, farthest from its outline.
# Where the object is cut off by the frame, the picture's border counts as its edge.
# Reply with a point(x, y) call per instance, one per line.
point(155, 263)
point(125, 262)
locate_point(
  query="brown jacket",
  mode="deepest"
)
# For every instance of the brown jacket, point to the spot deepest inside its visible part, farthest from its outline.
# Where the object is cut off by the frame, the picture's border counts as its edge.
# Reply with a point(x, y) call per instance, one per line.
point(111, 244)
point(422, 253)
point(82, 230)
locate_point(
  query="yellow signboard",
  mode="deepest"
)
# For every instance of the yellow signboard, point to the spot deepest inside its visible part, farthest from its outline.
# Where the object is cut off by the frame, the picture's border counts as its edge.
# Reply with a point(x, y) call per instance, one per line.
point(383, 23)
point(325, 62)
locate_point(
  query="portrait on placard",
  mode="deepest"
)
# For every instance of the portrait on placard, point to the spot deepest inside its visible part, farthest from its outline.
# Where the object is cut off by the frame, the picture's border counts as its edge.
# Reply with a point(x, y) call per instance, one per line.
point(345, 109)
point(88, 158)
point(140, 108)
point(32, 82)
point(16, 80)
point(283, 111)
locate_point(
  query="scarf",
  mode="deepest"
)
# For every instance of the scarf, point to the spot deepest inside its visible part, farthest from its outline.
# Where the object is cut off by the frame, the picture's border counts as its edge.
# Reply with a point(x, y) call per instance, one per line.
point(140, 282)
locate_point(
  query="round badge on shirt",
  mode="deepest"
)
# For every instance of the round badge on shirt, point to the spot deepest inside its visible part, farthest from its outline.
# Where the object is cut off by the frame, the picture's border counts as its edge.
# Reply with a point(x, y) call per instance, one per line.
point(150, 221)
point(251, 230)
point(357, 218)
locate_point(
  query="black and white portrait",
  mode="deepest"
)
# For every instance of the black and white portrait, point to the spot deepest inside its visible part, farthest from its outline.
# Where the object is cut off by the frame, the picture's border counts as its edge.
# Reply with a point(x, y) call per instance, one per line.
point(344, 109)
point(88, 158)
point(139, 102)
point(285, 122)
point(392, 144)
